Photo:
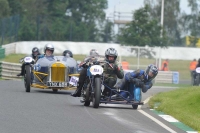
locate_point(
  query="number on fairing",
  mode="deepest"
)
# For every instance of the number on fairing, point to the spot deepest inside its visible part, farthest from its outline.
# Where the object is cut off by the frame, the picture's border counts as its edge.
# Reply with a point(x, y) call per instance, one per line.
point(28, 59)
point(198, 69)
point(96, 69)
point(73, 81)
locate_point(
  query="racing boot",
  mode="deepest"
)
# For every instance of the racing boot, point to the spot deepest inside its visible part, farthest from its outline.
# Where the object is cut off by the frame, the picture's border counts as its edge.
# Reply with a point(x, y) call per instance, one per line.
point(77, 93)
point(20, 74)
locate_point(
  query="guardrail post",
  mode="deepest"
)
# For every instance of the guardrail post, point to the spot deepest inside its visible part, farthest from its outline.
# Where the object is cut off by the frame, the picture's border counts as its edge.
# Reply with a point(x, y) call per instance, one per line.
point(10, 70)
point(2, 52)
point(175, 77)
point(0, 69)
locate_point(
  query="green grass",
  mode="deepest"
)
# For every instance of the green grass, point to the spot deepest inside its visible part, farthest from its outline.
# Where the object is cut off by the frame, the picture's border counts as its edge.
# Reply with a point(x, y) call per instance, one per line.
point(183, 104)
point(14, 58)
point(174, 65)
point(172, 85)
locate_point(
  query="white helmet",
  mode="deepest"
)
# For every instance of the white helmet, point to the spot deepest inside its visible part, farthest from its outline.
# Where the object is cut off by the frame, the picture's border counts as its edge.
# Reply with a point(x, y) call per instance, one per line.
point(49, 47)
point(94, 52)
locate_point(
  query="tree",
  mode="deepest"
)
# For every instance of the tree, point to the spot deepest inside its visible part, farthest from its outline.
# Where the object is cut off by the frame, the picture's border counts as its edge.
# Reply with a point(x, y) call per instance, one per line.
point(191, 22)
point(172, 16)
point(87, 14)
point(27, 32)
point(15, 6)
point(5, 9)
point(47, 19)
point(107, 33)
point(143, 30)
point(32, 16)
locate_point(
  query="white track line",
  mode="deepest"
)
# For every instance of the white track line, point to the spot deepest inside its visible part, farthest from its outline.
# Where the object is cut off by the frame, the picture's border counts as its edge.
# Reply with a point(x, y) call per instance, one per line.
point(154, 119)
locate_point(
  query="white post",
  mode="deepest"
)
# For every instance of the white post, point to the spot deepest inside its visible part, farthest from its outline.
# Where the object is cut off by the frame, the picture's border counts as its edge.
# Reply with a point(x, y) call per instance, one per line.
point(160, 57)
point(138, 58)
point(162, 16)
point(161, 33)
point(120, 57)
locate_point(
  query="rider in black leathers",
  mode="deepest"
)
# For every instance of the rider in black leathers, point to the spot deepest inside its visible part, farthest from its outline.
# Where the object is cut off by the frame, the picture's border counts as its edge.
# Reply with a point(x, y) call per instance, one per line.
point(198, 64)
point(93, 54)
point(195, 73)
point(34, 55)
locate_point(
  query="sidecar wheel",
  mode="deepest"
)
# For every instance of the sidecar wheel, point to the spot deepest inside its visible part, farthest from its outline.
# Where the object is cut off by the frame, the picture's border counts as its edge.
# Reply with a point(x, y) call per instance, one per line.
point(27, 78)
point(97, 92)
point(55, 90)
point(134, 106)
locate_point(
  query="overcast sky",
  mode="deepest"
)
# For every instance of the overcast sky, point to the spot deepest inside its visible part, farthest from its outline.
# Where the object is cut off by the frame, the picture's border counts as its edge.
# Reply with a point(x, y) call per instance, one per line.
point(131, 5)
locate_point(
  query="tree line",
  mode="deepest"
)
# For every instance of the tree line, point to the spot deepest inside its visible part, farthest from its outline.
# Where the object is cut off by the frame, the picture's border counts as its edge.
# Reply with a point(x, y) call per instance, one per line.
point(84, 20)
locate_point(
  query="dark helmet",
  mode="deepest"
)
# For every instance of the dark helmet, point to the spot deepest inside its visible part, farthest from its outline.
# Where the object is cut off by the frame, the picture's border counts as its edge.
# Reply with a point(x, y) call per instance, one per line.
point(68, 52)
point(111, 52)
point(199, 60)
point(93, 52)
point(35, 51)
point(49, 47)
point(151, 69)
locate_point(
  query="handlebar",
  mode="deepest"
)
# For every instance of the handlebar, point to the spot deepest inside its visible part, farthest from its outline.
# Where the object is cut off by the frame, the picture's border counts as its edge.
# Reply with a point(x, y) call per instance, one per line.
point(88, 63)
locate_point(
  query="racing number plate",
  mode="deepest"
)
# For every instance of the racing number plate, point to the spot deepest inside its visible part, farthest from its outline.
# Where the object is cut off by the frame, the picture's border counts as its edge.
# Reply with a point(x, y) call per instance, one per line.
point(57, 84)
point(74, 81)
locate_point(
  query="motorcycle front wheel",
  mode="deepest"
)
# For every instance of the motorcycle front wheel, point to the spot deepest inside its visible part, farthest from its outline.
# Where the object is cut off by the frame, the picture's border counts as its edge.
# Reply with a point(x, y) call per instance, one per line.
point(27, 78)
point(87, 97)
point(97, 92)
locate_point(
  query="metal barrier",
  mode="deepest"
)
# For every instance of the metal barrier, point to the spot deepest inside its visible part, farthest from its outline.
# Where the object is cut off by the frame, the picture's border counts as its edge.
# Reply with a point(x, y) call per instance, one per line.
point(167, 77)
point(10, 70)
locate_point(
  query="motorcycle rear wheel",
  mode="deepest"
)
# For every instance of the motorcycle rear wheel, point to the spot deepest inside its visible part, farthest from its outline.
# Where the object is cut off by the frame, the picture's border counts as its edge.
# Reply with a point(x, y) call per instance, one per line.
point(134, 106)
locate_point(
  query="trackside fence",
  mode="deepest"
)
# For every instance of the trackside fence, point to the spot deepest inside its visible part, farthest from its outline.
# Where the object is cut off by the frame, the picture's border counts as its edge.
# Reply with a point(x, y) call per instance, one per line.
point(167, 77)
point(10, 70)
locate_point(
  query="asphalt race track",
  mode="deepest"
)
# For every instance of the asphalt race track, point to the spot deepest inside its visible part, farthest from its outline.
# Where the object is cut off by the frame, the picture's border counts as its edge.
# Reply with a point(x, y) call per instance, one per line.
point(43, 111)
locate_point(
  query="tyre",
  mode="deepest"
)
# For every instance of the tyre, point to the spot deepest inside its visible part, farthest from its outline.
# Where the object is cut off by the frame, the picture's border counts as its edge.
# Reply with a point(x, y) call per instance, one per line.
point(97, 92)
point(134, 106)
point(198, 80)
point(55, 90)
point(87, 97)
point(27, 78)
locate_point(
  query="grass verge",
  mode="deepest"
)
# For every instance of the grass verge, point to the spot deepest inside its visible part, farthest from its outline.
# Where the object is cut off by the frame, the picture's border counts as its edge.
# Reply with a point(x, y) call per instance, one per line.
point(183, 104)
point(14, 58)
point(172, 85)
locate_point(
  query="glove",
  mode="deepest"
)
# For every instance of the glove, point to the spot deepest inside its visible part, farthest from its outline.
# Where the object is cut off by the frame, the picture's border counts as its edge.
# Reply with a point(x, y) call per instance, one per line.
point(116, 67)
point(135, 80)
point(40, 56)
point(141, 84)
point(37, 67)
point(96, 62)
